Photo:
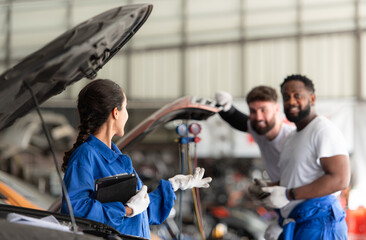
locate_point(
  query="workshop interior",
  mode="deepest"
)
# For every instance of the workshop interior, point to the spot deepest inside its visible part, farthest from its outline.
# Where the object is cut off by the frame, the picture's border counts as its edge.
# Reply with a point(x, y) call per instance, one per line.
point(170, 57)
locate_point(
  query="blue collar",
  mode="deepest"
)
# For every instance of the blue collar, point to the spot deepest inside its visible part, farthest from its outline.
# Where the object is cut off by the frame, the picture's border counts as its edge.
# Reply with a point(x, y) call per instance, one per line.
point(109, 154)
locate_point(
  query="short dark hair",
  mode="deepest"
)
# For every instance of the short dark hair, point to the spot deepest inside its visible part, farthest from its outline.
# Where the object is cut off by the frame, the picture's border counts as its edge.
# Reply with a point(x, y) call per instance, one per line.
point(262, 93)
point(297, 77)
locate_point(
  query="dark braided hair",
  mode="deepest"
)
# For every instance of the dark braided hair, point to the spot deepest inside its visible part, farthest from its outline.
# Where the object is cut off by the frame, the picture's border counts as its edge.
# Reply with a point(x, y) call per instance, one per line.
point(95, 102)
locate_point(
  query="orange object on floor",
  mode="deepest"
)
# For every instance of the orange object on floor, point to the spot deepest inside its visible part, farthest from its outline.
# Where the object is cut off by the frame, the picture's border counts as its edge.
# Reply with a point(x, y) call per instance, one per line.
point(356, 221)
point(15, 199)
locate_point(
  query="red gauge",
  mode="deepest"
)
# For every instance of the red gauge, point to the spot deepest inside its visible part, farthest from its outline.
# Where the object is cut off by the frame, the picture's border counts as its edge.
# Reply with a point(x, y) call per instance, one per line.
point(195, 128)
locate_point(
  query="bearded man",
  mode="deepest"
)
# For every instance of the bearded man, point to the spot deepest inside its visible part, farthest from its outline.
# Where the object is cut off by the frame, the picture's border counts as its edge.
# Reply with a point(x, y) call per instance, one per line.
point(314, 166)
point(268, 130)
point(264, 123)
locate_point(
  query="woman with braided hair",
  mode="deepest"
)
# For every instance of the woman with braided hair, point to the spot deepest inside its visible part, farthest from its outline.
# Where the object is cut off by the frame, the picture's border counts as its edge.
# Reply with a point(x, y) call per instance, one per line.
point(103, 114)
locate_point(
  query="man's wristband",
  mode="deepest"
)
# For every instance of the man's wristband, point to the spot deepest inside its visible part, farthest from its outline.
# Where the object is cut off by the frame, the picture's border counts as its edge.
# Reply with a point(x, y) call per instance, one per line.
point(292, 194)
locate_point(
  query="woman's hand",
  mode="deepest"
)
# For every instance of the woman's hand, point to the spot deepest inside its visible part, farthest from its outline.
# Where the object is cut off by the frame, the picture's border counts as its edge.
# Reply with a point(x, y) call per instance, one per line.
point(196, 180)
point(139, 202)
point(129, 211)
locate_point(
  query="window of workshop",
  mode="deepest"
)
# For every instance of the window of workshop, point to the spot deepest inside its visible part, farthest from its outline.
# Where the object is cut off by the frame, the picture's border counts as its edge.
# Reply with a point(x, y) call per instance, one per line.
point(362, 87)
point(116, 70)
point(163, 28)
point(362, 13)
point(212, 20)
point(213, 68)
point(330, 62)
point(264, 18)
point(3, 31)
point(327, 15)
point(269, 62)
point(34, 24)
point(85, 9)
point(155, 75)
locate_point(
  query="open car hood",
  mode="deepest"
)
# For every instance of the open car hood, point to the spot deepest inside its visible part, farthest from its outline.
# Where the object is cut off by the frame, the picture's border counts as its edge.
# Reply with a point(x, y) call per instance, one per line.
point(79, 52)
point(185, 108)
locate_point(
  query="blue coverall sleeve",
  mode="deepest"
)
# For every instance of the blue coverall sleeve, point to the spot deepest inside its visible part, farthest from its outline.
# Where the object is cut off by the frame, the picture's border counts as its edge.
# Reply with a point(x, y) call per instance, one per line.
point(80, 185)
point(161, 202)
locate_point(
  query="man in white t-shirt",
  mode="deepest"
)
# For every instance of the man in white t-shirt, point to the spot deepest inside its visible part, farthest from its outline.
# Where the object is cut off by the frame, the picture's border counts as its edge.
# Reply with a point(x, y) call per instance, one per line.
point(314, 165)
point(267, 128)
point(263, 123)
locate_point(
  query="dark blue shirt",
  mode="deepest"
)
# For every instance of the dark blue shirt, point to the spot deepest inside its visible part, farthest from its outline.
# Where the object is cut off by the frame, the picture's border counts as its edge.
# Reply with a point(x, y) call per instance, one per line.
point(93, 160)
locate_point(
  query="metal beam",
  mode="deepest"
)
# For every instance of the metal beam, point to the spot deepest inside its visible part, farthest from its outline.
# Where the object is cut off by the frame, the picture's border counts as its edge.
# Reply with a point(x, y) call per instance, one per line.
point(8, 24)
point(358, 52)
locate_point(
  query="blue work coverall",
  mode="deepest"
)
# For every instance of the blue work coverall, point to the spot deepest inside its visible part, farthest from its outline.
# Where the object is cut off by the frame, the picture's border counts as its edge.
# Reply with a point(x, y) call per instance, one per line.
point(318, 218)
point(93, 160)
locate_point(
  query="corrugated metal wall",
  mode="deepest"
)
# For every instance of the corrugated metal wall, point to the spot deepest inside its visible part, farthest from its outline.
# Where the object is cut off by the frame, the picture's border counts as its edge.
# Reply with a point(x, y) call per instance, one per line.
point(196, 47)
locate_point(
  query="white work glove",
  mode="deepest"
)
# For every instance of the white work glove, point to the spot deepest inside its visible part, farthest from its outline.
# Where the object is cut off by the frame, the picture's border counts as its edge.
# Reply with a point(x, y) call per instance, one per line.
point(255, 190)
point(139, 202)
point(184, 182)
point(277, 199)
point(273, 231)
point(224, 99)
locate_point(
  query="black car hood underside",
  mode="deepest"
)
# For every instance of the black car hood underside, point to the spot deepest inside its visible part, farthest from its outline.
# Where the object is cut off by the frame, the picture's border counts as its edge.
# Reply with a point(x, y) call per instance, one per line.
point(79, 52)
point(91, 229)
